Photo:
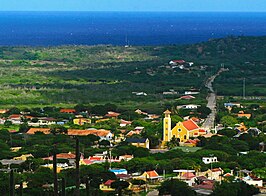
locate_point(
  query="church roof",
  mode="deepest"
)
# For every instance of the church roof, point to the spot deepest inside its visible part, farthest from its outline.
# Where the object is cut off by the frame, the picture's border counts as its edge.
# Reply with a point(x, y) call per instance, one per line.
point(190, 125)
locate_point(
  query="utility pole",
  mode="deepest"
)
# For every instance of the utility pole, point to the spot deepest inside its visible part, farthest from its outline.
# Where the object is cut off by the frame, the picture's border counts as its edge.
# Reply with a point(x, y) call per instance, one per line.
point(77, 192)
point(55, 172)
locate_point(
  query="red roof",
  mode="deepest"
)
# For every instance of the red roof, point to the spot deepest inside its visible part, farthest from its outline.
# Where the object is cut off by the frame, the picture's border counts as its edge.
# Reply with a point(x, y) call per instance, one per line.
point(191, 142)
point(188, 175)
point(43, 130)
point(112, 114)
point(217, 170)
point(202, 131)
point(179, 61)
point(68, 111)
point(190, 125)
point(108, 182)
point(125, 122)
point(152, 174)
point(95, 158)
point(187, 97)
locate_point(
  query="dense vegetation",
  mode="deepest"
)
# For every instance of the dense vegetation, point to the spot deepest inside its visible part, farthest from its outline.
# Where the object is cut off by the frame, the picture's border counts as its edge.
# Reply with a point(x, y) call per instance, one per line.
point(98, 74)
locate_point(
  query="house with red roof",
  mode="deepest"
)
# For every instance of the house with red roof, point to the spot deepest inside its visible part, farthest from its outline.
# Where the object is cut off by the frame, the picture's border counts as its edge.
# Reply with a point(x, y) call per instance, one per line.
point(177, 62)
point(184, 131)
point(149, 175)
point(106, 186)
point(68, 111)
point(112, 114)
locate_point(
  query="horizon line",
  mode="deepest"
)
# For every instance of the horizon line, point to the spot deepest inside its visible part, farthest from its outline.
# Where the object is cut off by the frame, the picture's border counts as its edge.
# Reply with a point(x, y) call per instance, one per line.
point(137, 11)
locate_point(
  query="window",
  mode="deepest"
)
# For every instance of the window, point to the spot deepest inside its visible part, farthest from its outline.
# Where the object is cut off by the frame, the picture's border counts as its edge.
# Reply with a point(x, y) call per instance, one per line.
point(185, 137)
point(179, 130)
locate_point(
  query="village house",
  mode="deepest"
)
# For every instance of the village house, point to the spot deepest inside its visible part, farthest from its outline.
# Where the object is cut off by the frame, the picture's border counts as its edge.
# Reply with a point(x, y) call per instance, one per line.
point(124, 123)
point(213, 174)
point(242, 114)
point(81, 121)
point(208, 160)
point(112, 114)
point(106, 186)
point(149, 176)
point(68, 111)
point(139, 142)
point(43, 121)
point(23, 157)
point(187, 97)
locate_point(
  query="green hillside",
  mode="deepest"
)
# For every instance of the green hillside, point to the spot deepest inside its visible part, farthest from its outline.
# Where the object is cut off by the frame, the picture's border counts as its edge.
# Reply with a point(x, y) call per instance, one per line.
point(99, 74)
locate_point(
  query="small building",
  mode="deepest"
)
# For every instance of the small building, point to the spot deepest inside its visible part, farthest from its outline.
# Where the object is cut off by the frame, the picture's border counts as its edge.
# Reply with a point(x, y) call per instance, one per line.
point(208, 160)
point(124, 123)
point(139, 142)
point(112, 114)
point(106, 186)
point(149, 175)
point(23, 157)
point(187, 97)
point(81, 121)
point(177, 62)
point(242, 114)
point(190, 106)
point(68, 111)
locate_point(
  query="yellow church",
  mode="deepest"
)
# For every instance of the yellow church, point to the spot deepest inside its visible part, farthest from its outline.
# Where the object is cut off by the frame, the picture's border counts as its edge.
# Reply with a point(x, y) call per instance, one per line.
point(183, 131)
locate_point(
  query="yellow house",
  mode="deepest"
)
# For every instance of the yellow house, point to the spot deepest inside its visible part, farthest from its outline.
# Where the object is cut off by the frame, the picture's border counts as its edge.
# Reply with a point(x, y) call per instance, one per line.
point(81, 121)
point(23, 157)
point(106, 186)
point(183, 131)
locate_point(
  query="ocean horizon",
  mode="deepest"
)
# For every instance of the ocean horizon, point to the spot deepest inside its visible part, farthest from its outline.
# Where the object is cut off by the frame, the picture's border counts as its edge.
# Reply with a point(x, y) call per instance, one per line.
point(125, 28)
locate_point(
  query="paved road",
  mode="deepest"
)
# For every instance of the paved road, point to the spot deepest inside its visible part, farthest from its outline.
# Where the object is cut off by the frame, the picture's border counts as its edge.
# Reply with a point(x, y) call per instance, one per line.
point(211, 98)
point(153, 193)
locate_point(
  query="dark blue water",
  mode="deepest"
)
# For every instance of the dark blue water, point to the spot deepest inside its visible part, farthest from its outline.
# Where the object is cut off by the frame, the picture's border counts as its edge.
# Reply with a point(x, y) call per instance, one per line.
point(57, 28)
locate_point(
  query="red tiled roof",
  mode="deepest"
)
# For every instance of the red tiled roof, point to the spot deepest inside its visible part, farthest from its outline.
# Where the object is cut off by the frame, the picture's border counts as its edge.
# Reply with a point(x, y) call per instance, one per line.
point(66, 156)
point(68, 111)
point(191, 142)
point(190, 125)
point(100, 133)
point(188, 175)
point(15, 116)
point(152, 174)
point(112, 114)
point(95, 158)
point(125, 122)
point(108, 182)
point(187, 97)
point(43, 130)
point(179, 61)
point(217, 170)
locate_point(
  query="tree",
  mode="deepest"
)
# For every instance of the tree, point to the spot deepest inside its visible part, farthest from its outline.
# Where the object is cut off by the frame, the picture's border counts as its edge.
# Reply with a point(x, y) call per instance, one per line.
point(174, 142)
point(228, 121)
point(175, 187)
point(119, 186)
point(234, 189)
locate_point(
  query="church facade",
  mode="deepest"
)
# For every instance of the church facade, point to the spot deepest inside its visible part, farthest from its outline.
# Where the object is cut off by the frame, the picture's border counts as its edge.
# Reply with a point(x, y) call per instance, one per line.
point(183, 131)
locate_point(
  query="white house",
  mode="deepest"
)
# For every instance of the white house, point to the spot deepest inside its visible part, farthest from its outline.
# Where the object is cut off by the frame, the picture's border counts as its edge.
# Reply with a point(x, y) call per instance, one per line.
point(191, 106)
point(208, 160)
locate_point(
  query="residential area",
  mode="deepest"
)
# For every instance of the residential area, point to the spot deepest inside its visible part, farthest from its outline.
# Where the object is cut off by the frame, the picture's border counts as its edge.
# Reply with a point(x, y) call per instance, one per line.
point(133, 152)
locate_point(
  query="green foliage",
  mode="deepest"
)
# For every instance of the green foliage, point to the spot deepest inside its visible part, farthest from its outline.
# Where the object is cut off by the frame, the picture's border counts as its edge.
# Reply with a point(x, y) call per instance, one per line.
point(228, 121)
point(234, 189)
point(175, 187)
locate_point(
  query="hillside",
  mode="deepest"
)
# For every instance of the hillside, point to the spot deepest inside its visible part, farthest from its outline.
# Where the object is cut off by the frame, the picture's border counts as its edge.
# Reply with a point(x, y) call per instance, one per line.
point(99, 74)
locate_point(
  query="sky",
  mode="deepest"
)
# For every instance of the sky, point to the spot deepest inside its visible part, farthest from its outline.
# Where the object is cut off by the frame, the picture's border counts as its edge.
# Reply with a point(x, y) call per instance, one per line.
point(134, 5)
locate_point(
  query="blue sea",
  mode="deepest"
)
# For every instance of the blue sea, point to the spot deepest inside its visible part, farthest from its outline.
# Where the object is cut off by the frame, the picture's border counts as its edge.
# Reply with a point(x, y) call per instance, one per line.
point(120, 28)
